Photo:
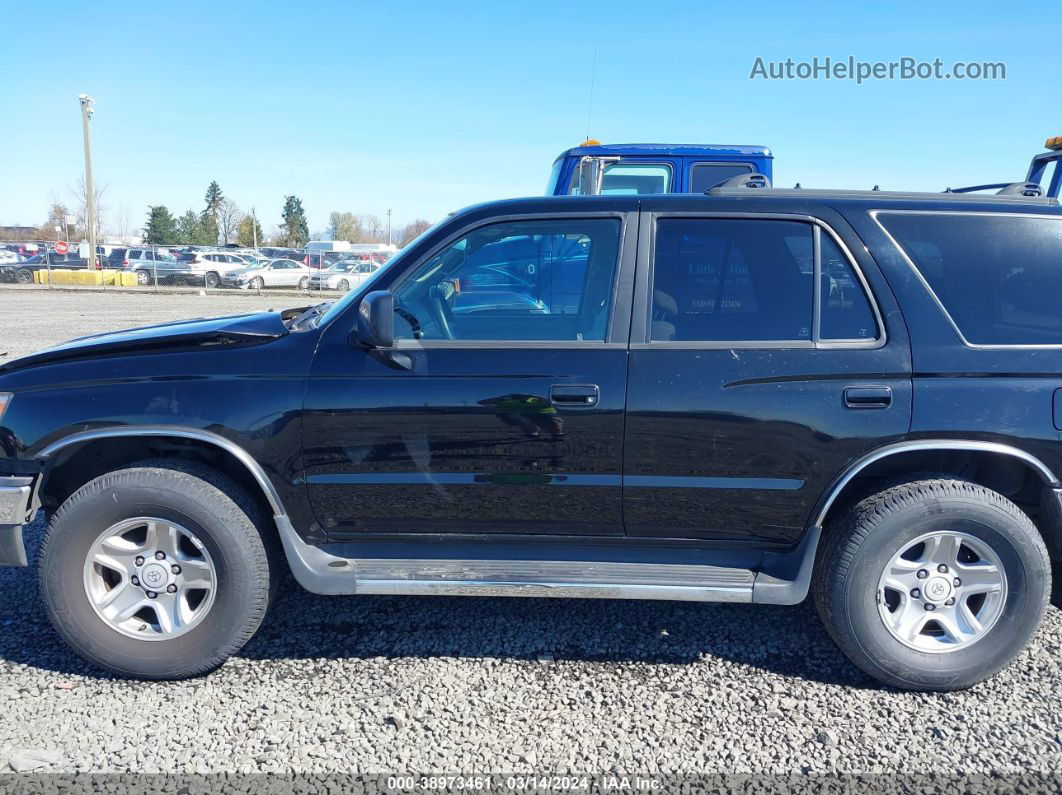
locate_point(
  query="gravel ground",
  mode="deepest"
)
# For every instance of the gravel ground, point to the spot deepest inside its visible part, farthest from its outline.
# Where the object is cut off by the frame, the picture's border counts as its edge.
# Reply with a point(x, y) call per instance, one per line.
point(380, 684)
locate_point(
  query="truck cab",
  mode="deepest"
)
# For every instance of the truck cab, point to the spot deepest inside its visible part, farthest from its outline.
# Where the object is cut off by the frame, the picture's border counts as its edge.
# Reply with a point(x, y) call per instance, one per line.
point(594, 168)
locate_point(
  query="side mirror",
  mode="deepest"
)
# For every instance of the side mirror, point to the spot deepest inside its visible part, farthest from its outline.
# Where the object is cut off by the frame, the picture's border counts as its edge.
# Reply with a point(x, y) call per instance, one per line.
point(376, 320)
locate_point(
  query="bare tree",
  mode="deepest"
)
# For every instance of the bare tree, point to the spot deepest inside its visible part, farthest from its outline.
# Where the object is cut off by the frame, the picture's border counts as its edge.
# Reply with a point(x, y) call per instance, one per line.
point(229, 217)
point(120, 225)
point(373, 229)
point(344, 226)
point(411, 231)
point(55, 227)
point(80, 194)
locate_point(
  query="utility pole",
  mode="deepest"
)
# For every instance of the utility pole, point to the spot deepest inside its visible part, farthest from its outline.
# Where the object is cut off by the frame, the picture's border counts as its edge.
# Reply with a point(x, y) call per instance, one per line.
point(254, 231)
point(389, 226)
point(90, 195)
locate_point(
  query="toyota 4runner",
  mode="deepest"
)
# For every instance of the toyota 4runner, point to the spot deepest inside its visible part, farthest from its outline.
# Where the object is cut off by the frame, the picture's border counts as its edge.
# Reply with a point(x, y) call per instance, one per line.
point(746, 396)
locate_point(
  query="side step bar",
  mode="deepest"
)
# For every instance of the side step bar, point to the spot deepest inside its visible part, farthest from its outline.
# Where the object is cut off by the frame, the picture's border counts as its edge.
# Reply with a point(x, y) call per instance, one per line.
point(783, 579)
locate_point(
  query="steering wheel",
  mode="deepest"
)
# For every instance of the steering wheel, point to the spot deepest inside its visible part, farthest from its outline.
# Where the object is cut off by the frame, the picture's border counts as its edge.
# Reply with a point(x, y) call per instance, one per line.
point(439, 298)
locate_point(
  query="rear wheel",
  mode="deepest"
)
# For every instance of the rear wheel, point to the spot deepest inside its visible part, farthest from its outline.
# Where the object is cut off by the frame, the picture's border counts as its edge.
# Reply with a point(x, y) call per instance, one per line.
point(143, 278)
point(933, 585)
point(157, 571)
point(24, 276)
point(344, 285)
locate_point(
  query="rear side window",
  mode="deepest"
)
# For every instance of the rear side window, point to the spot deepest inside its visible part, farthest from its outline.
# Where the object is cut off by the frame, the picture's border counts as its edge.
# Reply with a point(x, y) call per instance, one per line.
point(845, 312)
point(704, 176)
point(745, 280)
point(999, 277)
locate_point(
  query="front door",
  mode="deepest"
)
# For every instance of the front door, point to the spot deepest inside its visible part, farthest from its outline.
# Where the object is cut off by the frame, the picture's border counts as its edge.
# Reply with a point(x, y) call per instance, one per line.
point(509, 418)
point(750, 387)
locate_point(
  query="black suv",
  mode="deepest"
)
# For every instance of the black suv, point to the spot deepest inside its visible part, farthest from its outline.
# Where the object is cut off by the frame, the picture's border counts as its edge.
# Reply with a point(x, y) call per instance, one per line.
point(739, 397)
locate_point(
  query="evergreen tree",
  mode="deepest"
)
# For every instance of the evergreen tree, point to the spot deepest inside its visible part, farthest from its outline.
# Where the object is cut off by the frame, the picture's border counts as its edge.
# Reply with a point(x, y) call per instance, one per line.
point(161, 227)
point(295, 230)
point(209, 216)
point(188, 228)
point(247, 231)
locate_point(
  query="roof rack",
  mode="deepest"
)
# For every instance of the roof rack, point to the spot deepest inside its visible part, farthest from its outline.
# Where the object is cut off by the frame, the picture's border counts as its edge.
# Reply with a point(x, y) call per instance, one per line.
point(755, 180)
point(888, 195)
point(1031, 190)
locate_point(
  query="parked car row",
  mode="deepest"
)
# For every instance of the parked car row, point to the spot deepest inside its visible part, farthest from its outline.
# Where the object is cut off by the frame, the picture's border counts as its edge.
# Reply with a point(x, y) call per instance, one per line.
point(202, 267)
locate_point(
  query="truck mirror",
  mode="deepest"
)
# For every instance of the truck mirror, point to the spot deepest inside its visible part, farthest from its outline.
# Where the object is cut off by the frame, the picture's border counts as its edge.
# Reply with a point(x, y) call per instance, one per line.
point(376, 319)
point(586, 178)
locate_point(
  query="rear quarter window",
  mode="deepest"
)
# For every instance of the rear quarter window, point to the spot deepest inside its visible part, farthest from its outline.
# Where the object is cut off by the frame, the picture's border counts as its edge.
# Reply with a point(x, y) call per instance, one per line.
point(998, 277)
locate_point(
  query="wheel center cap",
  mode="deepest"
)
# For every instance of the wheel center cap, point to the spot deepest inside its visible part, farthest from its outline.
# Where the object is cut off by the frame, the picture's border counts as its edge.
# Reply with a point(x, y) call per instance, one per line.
point(155, 576)
point(937, 589)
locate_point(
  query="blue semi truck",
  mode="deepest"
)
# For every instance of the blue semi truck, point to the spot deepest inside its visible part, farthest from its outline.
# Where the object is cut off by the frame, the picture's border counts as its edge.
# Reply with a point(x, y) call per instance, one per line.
point(594, 168)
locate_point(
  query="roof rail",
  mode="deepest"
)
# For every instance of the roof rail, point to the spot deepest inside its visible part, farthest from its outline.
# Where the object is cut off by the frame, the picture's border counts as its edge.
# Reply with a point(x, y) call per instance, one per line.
point(754, 180)
point(1030, 189)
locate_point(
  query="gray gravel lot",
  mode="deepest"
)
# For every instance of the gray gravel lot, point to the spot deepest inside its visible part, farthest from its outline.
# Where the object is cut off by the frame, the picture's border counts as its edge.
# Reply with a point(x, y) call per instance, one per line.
point(375, 684)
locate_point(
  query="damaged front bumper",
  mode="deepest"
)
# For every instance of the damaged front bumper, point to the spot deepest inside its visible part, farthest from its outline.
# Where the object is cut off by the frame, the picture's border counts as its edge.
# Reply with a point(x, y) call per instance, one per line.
point(16, 504)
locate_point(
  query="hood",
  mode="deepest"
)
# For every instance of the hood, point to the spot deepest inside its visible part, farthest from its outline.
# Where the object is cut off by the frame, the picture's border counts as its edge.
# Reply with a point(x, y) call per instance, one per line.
point(184, 335)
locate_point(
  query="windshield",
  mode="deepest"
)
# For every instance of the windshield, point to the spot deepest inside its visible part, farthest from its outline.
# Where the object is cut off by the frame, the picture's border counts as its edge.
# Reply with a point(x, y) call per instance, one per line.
point(366, 286)
point(343, 267)
point(254, 264)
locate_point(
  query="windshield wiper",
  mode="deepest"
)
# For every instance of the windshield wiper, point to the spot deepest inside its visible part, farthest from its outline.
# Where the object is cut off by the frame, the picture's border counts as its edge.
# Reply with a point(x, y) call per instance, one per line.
point(309, 314)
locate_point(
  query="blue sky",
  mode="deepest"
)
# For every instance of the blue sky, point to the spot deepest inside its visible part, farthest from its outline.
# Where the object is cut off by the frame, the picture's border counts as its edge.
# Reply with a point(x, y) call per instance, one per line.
point(426, 107)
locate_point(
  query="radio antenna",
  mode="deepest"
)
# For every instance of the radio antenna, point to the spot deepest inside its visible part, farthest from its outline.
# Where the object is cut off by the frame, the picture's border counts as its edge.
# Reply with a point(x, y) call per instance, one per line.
point(590, 103)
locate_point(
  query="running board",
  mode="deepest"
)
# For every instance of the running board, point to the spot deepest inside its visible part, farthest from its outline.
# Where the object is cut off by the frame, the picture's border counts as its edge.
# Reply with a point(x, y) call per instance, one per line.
point(323, 573)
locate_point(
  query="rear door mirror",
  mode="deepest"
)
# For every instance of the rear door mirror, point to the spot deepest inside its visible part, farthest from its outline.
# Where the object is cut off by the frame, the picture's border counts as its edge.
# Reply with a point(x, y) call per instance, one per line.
point(376, 319)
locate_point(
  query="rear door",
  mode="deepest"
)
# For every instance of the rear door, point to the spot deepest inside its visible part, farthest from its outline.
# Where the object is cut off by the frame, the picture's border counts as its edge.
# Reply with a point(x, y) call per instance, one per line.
point(509, 416)
point(760, 366)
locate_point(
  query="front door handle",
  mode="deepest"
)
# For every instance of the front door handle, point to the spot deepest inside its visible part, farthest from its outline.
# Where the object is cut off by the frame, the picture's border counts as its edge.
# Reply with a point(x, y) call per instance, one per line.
point(867, 397)
point(574, 395)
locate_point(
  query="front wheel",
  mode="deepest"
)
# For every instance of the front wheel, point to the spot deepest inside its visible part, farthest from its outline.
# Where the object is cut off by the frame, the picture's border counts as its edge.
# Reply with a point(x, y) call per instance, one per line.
point(24, 276)
point(344, 285)
point(157, 571)
point(257, 283)
point(933, 585)
point(211, 280)
point(304, 282)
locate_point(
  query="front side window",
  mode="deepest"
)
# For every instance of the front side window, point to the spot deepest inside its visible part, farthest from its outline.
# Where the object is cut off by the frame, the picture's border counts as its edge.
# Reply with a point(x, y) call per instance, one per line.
point(752, 280)
point(999, 277)
point(524, 280)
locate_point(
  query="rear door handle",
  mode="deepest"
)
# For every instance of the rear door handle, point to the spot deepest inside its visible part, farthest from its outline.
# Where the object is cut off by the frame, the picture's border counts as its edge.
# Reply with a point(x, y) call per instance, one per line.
point(574, 395)
point(867, 397)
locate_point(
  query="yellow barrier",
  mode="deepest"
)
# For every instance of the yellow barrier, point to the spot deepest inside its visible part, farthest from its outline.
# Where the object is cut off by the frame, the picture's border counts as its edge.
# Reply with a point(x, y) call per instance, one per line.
point(85, 278)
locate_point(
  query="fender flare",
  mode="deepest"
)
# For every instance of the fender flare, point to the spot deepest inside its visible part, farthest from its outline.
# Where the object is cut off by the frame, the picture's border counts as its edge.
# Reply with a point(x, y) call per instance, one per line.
point(831, 494)
point(176, 432)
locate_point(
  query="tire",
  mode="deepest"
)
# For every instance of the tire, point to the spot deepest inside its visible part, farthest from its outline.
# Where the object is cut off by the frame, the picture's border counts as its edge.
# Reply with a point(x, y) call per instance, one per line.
point(211, 280)
point(143, 278)
point(201, 501)
point(304, 282)
point(257, 283)
point(24, 276)
point(855, 597)
point(344, 285)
